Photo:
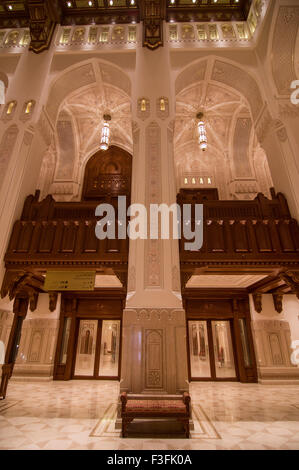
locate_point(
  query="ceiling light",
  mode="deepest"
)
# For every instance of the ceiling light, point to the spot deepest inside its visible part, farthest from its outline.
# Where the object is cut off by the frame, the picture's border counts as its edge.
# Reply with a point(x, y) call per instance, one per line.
point(105, 137)
point(202, 134)
point(9, 7)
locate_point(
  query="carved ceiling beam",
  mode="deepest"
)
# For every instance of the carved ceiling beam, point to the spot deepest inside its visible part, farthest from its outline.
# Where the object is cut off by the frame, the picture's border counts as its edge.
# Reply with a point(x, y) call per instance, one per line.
point(53, 297)
point(123, 277)
point(22, 284)
point(277, 300)
point(185, 277)
point(285, 289)
point(265, 285)
point(153, 12)
point(44, 15)
point(292, 280)
point(257, 300)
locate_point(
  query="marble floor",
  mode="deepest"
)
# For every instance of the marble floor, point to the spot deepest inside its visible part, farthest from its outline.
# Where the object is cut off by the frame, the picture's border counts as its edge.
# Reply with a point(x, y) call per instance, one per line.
point(62, 415)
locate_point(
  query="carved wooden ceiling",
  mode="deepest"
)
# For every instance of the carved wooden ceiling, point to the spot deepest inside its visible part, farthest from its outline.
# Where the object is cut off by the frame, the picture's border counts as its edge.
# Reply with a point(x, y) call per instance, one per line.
point(42, 15)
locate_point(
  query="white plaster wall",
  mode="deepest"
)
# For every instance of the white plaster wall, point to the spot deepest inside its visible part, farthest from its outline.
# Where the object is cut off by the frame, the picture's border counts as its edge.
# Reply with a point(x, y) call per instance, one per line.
point(39, 336)
point(273, 335)
point(290, 312)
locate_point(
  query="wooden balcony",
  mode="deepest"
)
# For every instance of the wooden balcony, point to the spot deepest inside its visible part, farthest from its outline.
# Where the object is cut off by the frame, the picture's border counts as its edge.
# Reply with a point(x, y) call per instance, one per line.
point(241, 236)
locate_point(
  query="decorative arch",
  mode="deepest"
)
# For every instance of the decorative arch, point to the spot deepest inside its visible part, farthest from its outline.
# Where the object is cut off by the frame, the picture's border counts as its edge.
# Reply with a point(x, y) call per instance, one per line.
point(6, 149)
point(4, 79)
point(227, 73)
point(240, 112)
point(283, 48)
point(81, 76)
point(84, 91)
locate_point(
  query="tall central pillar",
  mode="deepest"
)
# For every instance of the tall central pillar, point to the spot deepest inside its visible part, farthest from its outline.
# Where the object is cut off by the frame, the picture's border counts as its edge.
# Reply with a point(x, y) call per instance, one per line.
point(154, 358)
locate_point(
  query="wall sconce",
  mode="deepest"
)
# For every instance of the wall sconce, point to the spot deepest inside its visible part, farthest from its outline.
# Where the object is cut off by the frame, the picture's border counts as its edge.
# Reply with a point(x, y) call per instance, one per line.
point(27, 111)
point(10, 108)
point(29, 107)
point(162, 104)
point(143, 105)
point(143, 108)
point(162, 107)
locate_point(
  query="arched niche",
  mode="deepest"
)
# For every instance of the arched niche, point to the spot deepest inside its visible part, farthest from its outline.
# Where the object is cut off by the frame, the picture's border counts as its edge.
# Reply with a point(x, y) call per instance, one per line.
point(108, 175)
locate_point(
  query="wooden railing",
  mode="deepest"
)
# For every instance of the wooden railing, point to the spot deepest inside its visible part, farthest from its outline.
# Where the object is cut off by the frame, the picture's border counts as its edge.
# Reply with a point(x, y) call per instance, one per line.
point(54, 233)
point(250, 240)
point(261, 230)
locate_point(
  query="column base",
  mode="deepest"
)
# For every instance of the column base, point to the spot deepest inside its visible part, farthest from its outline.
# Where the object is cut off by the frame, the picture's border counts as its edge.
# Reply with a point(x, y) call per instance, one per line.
point(154, 355)
point(278, 375)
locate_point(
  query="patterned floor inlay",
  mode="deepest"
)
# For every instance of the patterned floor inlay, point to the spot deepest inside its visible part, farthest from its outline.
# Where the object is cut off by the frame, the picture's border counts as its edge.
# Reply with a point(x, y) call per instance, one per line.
point(80, 414)
point(203, 427)
point(5, 404)
point(106, 425)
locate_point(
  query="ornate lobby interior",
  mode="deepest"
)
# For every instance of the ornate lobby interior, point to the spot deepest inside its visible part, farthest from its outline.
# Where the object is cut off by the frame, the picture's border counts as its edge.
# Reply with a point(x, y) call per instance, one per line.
point(174, 102)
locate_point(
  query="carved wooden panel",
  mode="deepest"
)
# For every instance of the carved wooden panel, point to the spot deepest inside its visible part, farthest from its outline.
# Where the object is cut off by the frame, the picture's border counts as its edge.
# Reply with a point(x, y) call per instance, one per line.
point(215, 236)
point(108, 173)
point(206, 307)
point(259, 208)
point(240, 236)
point(46, 237)
point(263, 237)
point(69, 237)
point(90, 242)
point(154, 358)
point(25, 237)
point(285, 236)
point(99, 307)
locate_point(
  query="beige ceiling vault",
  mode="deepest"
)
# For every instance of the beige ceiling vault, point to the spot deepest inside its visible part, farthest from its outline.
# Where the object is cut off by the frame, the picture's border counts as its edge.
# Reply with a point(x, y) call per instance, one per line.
point(77, 109)
point(234, 161)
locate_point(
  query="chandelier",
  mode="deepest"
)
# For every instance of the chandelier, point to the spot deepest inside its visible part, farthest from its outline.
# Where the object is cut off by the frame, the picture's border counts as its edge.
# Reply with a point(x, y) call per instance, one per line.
point(105, 137)
point(202, 134)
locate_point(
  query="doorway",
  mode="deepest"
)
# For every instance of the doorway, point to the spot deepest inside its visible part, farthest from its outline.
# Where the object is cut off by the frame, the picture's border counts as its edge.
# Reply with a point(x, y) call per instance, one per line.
point(211, 350)
point(97, 348)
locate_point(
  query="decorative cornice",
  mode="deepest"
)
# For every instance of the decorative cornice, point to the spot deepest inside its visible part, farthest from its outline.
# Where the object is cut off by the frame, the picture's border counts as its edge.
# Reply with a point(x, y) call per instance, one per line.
point(44, 14)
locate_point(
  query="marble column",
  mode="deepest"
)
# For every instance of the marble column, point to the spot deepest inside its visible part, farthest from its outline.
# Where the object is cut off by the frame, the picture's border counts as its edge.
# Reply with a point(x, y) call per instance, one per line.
point(278, 140)
point(154, 357)
point(24, 137)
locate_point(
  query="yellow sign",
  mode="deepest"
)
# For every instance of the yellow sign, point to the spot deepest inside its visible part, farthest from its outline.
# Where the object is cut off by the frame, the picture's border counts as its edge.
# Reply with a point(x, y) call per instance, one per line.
point(70, 280)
